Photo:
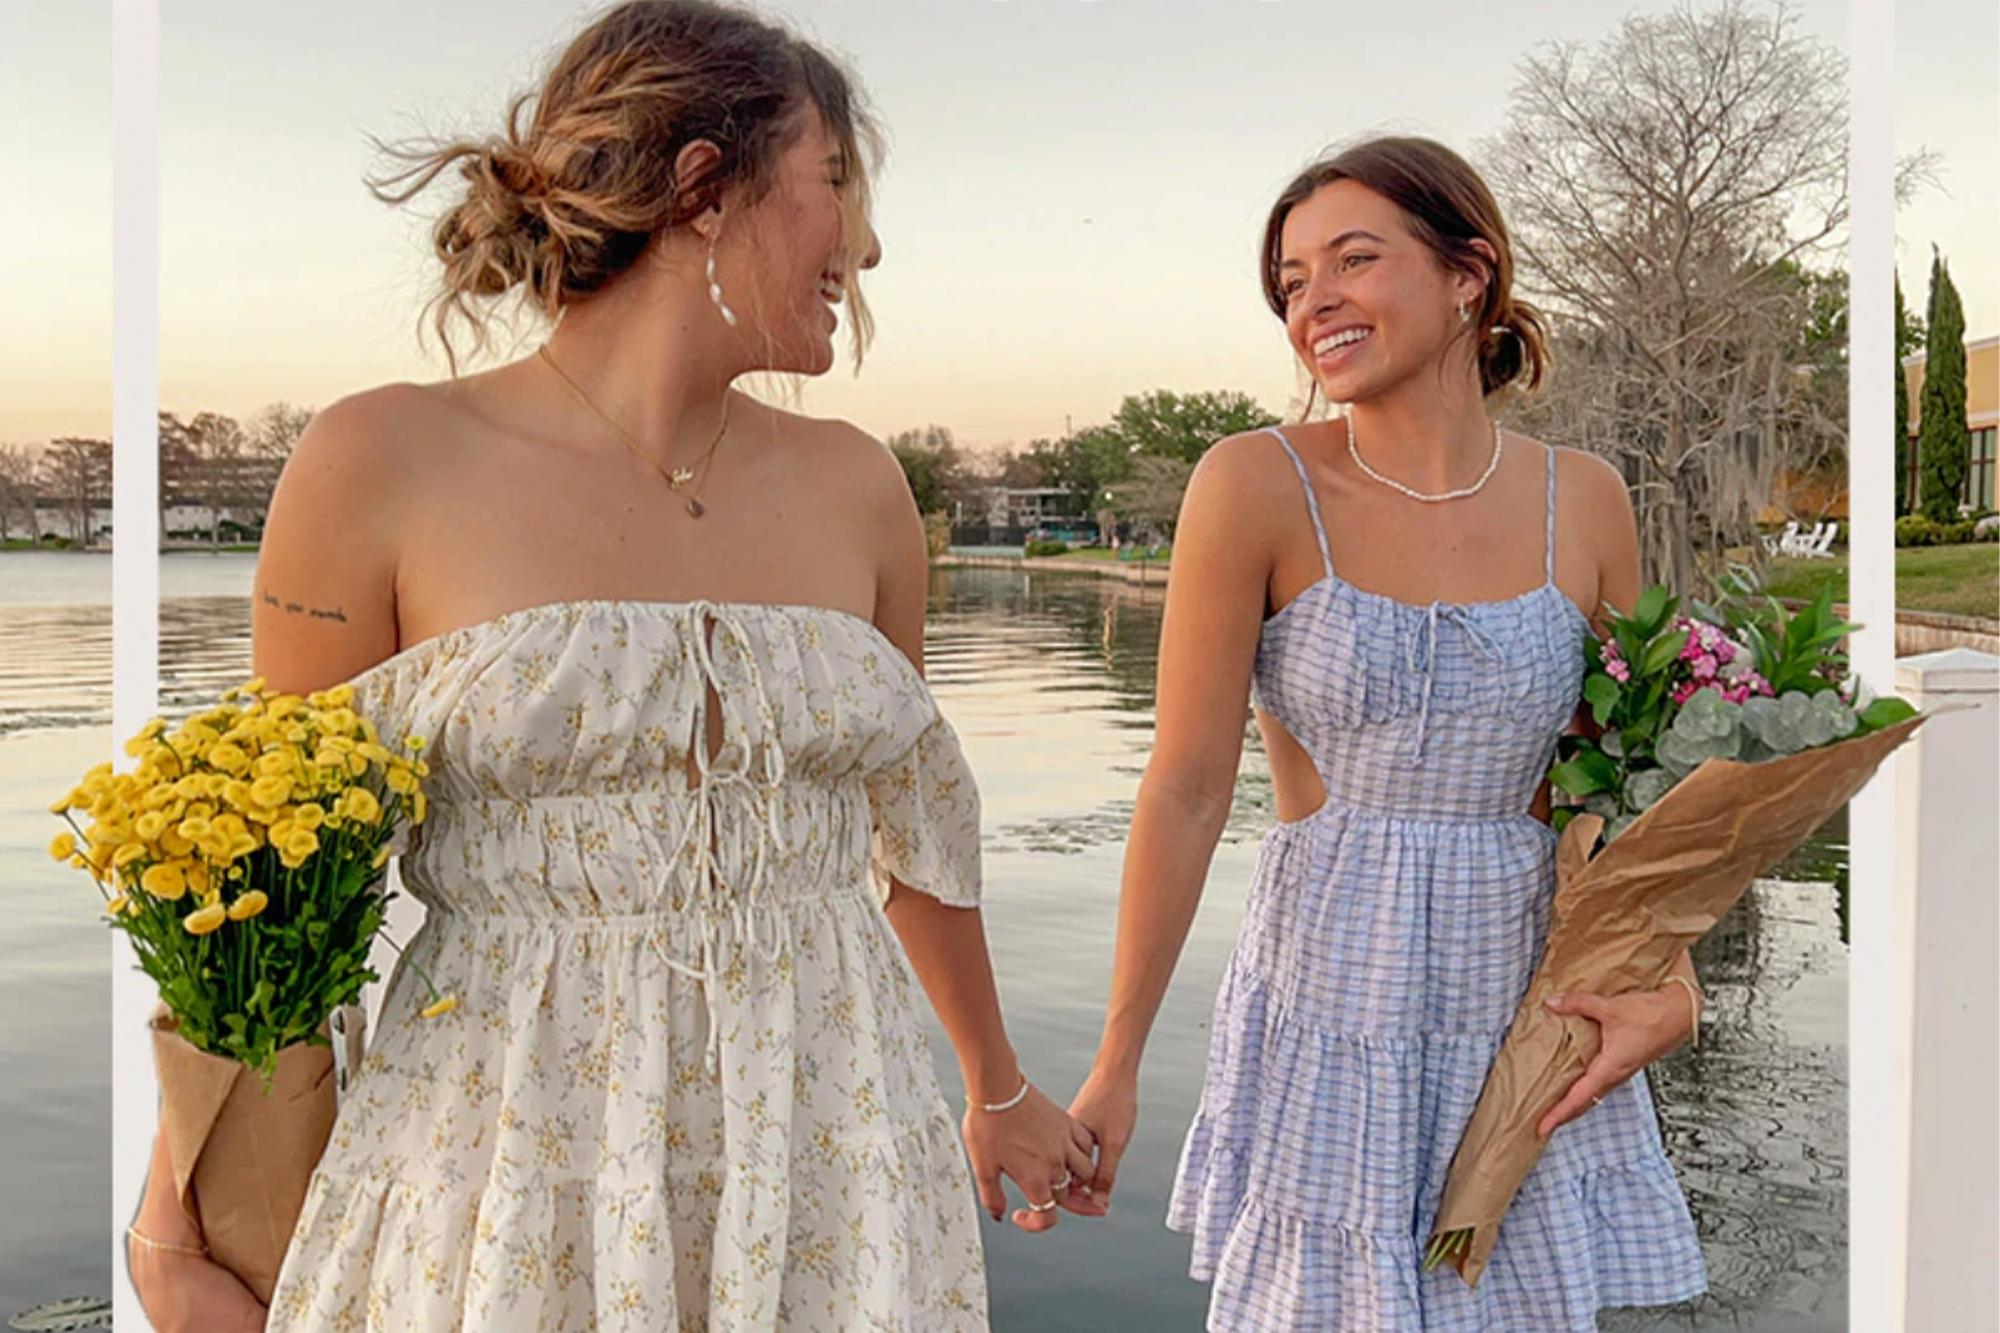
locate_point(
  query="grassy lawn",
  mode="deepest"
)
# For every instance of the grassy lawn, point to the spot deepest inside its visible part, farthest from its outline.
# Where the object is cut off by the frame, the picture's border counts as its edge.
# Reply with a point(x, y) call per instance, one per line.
point(1104, 555)
point(1961, 580)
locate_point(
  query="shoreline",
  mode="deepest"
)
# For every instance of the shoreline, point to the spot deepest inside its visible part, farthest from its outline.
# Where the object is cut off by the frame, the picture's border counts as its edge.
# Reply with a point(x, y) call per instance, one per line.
point(1916, 631)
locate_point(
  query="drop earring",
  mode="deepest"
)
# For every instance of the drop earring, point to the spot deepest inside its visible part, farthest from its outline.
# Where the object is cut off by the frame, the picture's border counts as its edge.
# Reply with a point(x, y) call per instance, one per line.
point(715, 288)
point(1463, 314)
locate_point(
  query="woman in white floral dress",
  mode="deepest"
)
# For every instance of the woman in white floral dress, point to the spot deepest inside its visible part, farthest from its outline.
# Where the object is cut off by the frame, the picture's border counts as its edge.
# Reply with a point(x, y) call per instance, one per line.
point(666, 645)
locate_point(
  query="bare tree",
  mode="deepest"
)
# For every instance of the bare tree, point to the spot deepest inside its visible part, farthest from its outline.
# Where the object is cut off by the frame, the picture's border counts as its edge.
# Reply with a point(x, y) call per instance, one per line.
point(272, 433)
point(1150, 499)
point(18, 491)
point(1669, 194)
point(77, 471)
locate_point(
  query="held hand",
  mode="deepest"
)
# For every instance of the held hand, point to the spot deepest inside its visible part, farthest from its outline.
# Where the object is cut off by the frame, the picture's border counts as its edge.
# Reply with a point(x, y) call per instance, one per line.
point(1633, 1030)
point(1108, 1107)
point(1035, 1143)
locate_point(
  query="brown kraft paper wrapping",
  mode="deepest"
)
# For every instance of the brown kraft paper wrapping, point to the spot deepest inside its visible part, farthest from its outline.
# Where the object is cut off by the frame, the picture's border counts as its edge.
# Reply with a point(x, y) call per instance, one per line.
point(242, 1160)
point(1619, 921)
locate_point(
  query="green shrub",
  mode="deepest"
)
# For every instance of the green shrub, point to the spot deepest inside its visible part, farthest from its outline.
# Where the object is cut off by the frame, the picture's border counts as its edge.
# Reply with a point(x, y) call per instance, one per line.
point(1039, 546)
point(1917, 530)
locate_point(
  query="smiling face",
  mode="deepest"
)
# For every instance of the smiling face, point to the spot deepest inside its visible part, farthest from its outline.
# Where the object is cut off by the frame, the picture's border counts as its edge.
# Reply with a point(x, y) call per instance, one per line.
point(1367, 305)
point(789, 259)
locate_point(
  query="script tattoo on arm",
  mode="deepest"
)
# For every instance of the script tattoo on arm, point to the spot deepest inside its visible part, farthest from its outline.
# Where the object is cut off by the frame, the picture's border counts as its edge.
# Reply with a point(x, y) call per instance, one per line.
point(301, 609)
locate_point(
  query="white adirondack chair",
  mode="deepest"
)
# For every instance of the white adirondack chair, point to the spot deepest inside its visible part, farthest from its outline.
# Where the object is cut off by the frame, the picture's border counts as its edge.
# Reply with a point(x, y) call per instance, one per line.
point(1781, 543)
point(1821, 548)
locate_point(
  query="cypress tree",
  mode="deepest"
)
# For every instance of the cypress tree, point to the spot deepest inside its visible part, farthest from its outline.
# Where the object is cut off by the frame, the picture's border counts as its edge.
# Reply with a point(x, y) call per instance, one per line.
point(1943, 442)
point(1902, 411)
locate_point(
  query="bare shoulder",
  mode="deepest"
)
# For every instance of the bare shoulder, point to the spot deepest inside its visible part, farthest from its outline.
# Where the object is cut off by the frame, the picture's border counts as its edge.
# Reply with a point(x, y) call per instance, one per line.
point(363, 440)
point(842, 459)
point(1594, 479)
point(1246, 469)
point(325, 594)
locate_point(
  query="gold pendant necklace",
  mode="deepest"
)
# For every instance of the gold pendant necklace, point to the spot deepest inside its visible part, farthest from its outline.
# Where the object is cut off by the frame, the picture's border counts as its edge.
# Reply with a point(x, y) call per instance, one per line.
point(677, 478)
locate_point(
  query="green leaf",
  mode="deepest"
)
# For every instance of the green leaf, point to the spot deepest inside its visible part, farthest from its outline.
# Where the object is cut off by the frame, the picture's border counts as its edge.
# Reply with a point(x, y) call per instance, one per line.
point(1601, 693)
point(1661, 654)
point(1887, 711)
point(1652, 609)
point(1590, 772)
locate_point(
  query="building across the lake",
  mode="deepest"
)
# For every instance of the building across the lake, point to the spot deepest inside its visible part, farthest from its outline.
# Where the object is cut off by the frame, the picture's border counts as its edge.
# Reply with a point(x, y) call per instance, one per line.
point(1982, 418)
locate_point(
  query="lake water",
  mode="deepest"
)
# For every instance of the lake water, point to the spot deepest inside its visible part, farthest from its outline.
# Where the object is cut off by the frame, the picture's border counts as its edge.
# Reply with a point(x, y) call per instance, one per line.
point(1049, 681)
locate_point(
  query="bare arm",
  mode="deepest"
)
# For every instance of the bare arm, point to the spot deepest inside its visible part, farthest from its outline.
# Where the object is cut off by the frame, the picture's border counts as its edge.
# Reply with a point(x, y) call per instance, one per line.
point(1208, 643)
point(1035, 1143)
point(1640, 1027)
point(323, 608)
point(324, 600)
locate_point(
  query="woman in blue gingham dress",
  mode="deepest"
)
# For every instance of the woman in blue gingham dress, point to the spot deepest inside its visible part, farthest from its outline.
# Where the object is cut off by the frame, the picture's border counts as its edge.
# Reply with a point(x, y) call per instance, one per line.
point(1386, 941)
point(1399, 912)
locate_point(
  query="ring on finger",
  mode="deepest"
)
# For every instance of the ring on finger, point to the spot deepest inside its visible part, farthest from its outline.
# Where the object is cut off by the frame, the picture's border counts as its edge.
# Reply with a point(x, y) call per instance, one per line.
point(1069, 1178)
point(1042, 1207)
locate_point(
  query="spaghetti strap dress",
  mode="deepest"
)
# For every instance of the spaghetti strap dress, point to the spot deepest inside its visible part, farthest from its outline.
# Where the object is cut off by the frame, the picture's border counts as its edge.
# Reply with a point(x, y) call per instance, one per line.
point(1387, 940)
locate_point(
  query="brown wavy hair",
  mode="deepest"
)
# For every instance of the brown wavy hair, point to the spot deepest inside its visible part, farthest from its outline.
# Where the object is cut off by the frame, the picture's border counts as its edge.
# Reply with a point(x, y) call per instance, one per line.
point(559, 204)
point(1447, 207)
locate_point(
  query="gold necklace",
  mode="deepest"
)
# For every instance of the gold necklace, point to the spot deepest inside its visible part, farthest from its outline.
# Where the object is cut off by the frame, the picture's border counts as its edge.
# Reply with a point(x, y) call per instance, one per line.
point(676, 478)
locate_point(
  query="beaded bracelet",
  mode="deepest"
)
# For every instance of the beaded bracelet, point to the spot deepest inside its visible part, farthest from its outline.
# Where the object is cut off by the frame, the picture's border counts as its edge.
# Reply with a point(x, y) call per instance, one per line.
point(1694, 1005)
point(1007, 1105)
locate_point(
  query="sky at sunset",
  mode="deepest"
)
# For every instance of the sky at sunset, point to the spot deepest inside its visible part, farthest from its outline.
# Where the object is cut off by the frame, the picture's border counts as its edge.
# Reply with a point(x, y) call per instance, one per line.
point(1069, 211)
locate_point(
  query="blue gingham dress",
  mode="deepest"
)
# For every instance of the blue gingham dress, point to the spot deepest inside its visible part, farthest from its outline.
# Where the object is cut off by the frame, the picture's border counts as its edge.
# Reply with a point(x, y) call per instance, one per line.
point(1387, 940)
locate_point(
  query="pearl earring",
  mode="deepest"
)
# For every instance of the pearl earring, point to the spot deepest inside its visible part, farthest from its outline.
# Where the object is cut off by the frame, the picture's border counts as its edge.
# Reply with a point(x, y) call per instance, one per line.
point(1463, 314)
point(715, 288)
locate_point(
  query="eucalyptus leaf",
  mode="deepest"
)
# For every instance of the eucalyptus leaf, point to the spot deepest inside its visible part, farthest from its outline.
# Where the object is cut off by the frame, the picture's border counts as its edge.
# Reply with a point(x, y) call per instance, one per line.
point(1840, 719)
point(1645, 787)
point(1707, 716)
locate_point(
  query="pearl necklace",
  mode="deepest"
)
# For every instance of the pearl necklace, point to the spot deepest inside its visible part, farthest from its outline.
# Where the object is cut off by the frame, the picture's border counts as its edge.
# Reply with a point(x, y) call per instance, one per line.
point(1473, 489)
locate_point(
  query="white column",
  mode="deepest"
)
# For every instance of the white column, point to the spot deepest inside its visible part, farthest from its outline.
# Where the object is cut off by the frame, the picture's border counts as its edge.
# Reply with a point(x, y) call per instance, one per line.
point(1948, 928)
point(135, 569)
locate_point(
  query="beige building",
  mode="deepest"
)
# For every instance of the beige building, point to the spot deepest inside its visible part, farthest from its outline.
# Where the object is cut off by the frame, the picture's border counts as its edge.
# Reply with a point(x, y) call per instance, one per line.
point(1982, 418)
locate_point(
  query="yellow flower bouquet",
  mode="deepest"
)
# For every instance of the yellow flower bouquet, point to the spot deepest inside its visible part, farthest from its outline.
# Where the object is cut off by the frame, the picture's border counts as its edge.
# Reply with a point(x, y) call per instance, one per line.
point(244, 858)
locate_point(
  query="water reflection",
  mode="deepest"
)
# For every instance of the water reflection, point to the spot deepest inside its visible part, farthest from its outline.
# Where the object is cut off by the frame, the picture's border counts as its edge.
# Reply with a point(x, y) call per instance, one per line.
point(1049, 681)
point(55, 1101)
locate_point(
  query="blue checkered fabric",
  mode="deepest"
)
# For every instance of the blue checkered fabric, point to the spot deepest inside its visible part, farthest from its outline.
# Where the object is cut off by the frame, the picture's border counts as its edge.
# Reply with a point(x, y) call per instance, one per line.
point(1387, 939)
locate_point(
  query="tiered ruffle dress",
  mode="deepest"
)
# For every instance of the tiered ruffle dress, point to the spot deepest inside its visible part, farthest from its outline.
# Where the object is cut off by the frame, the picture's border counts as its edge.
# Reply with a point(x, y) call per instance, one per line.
point(1387, 940)
point(685, 1085)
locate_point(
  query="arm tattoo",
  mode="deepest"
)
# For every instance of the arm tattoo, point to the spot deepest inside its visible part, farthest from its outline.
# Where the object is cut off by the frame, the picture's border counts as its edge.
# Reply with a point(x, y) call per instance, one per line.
point(299, 608)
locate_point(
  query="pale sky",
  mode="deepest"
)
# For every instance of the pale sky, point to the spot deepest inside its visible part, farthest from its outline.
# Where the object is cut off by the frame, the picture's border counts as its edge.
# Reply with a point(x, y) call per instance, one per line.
point(55, 220)
point(1948, 99)
point(1069, 211)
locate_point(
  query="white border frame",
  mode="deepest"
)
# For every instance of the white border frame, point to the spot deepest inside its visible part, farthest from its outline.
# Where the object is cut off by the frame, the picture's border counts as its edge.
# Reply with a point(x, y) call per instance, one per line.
point(1878, 999)
point(135, 561)
point(1878, 1005)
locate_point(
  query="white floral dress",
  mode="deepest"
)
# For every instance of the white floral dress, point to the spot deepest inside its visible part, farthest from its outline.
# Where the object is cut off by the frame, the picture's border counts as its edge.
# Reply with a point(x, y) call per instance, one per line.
point(685, 1085)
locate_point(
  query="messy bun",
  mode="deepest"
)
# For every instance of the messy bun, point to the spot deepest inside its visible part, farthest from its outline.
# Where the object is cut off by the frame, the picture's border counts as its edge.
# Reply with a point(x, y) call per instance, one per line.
point(568, 195)
point(1447, 207)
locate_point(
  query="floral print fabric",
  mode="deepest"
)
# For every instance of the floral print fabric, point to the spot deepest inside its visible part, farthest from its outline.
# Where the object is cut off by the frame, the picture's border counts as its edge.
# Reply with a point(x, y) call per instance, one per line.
point(685, 1085)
